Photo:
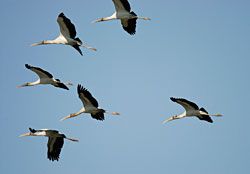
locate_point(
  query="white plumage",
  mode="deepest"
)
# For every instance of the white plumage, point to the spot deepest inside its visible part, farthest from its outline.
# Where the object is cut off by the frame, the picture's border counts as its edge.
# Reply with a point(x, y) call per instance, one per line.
point(90, 105)
point(191, 109)
point(44, 78)
point(67, 35)
point(55, 141)
point(123, 12)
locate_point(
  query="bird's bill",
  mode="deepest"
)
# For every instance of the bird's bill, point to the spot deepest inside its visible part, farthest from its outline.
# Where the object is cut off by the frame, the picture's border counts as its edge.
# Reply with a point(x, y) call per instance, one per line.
point(23, 85)
point(97, 20)
point(38, 43)
point(26, 134)
point(168, 119)
point(67, 117)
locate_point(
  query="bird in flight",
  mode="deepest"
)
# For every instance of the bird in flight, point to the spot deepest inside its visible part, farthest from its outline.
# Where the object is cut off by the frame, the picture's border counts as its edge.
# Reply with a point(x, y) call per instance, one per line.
point(67, 35)
point(55, 141)
point(123, 12)
point(44, 78)
point(90, 105)
point(191, 109)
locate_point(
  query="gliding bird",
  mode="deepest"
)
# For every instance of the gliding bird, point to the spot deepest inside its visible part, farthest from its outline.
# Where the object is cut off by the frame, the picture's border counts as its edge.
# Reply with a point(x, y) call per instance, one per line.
point(90, 105)
point(44, 78)
point(123, 12)
point(55, 141)
point(191, 109)
point(67, 35)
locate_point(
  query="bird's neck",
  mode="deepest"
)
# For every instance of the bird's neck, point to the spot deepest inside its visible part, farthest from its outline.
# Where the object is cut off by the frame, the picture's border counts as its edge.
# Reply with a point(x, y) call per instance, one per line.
point(112, 17)
point(55, 41)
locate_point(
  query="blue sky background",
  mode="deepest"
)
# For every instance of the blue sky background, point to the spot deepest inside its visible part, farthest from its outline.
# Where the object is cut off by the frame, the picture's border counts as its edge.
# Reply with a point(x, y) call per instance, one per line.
point(194, 49)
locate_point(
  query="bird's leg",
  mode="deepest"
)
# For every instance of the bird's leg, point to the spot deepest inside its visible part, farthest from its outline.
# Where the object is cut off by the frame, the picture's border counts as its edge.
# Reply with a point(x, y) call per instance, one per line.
point(172, 118)
point(113, 113)
point(72, 139)
point(144, 18)
point(217, 115)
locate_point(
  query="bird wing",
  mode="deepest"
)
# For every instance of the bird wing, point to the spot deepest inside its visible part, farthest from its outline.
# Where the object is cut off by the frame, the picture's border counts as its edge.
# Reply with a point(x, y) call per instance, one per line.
point(77, 48)
point(188, 105)
point(86, 97)
point(39, 71)
point(129, 25)
point(121, 5)
point(67, 29)
point(206, 118)
point(61, 85)
point(55, 145)
point(98, 115)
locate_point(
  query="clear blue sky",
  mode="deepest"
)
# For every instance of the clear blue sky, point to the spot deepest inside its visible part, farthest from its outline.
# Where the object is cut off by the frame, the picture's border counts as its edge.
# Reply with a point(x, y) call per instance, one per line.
point(194, 49)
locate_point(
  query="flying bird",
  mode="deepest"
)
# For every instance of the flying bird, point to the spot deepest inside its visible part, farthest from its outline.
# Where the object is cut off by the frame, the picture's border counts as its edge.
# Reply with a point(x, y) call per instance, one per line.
point(44, 78)
point(90, 105)
point(191, 109)
point(123, 12)
point(67, 35)
point(55, 141)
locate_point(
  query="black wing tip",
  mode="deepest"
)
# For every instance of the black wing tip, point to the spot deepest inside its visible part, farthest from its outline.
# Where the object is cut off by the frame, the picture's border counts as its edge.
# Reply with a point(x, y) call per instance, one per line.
point(133, 13)
point(173, 99)
point(53, 158)
point(80, 88)
point(204, 110)
point(28, 66)
point(61, 14)
point(32, 130)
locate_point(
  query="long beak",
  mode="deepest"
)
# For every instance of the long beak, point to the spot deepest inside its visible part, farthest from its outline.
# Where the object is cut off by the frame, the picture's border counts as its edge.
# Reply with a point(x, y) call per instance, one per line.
point(97, 20)
point(168, 119)
point(26, 134)
point(23, 85)
point(38, 43)
point(69, 116)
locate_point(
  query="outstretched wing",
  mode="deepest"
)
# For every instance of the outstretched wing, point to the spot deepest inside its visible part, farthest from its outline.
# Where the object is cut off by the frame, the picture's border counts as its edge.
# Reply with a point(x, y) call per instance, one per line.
point(55, 145)
point(39, 71)
point(188, 105)
point(61, 85)
point(87, 99)
point(122, 5)
point(129, 25)
point(98, 115)
point(205, 118)
point(67, 29)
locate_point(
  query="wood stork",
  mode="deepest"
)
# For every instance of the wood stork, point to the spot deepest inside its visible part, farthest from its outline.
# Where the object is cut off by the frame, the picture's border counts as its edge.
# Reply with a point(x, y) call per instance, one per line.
point(67, 35)
point(44, 78)
point(123, 12)
point(55, 141)
point(90, 105)
point(191, 109)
